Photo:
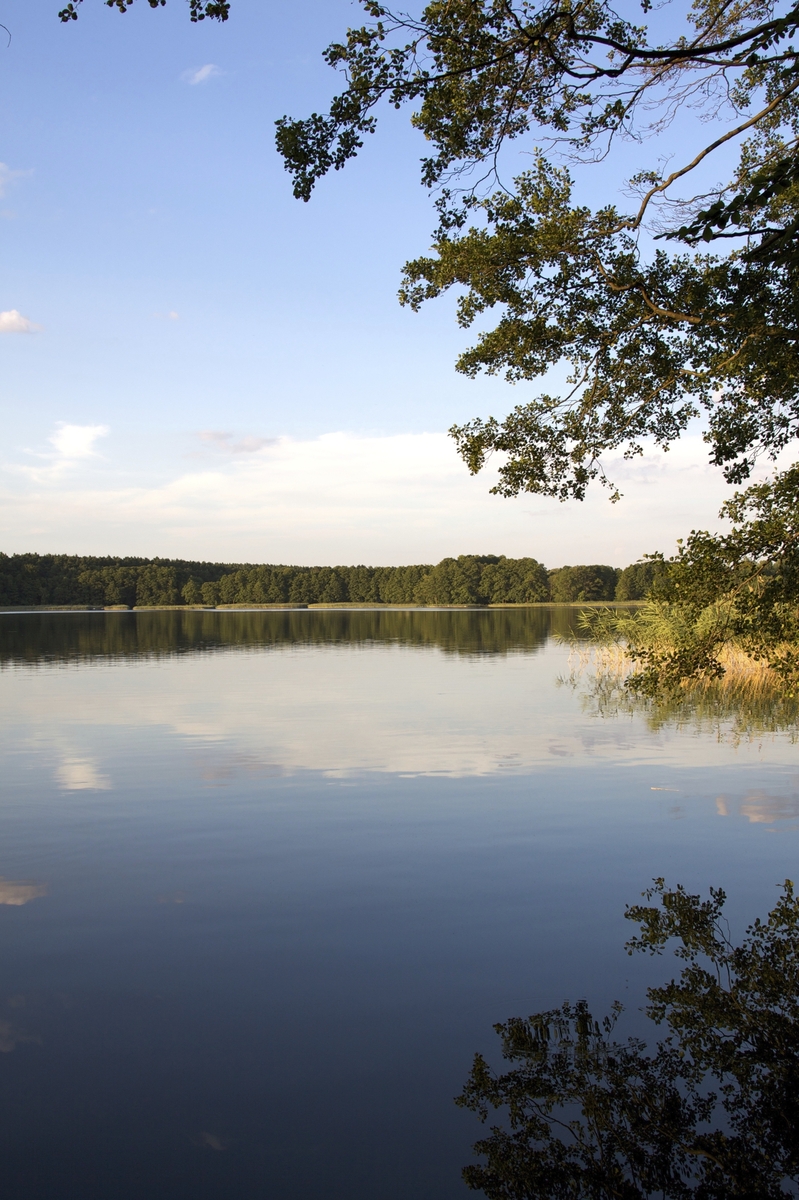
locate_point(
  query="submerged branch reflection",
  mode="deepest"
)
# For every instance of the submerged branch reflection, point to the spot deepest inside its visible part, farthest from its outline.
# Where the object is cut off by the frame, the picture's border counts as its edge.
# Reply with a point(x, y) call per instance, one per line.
point(711, 1111)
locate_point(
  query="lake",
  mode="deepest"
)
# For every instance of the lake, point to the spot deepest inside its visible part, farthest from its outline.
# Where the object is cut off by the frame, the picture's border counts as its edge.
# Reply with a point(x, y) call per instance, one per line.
point(270, 878)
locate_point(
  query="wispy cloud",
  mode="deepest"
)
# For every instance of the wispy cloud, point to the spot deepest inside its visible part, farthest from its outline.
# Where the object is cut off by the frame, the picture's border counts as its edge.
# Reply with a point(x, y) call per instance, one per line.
point(76, 441)
point(7, 176)
point(71, 445)
point(168, 316)
point(342, 497)
point(226, 443)
point(202, 74)
point(13, 321)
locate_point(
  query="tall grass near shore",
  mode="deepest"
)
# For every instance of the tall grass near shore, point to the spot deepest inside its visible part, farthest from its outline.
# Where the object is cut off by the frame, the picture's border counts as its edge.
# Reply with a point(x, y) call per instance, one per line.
point(738, 694)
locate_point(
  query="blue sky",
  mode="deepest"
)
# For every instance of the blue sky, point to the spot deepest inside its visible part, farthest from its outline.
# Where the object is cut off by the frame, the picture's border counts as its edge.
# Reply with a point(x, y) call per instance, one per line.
point(202, 366)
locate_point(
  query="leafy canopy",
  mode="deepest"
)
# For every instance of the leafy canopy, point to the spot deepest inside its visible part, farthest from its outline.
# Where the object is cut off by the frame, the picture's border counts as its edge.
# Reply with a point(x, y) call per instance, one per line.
point(701, 320)
point(218, 10)
point(711, 1111)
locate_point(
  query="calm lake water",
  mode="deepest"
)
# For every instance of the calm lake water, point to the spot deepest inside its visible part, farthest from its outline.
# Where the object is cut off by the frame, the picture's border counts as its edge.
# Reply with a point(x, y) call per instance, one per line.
point(269, 879)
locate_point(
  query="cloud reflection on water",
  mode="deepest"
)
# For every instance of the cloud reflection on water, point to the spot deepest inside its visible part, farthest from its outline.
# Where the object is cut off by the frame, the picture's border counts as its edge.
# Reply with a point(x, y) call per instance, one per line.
point(17, 894)
point(760, 808)
point(344, 708)
point(81, 774)
point(10, 1038)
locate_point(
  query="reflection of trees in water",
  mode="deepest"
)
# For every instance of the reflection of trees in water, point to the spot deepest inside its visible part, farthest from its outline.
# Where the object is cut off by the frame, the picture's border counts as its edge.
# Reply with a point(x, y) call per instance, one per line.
point(711, 1111)
point(747, 701)
point(42, 637)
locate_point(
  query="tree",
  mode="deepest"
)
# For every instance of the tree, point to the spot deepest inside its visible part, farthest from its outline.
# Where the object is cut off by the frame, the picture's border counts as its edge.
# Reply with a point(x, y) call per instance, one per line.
point(636, 581)
point(569, 584)
point(157, 584)
point(719, 597)
point(455, 581)
point(515, 581)
point(217, 10)
point(684, 304)
point(712, 1111)
point(210, 594)
point(192, 592)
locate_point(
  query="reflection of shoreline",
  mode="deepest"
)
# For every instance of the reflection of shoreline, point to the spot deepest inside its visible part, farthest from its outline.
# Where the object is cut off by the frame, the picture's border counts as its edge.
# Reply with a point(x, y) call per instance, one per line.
point(17, 894)
point(40, 638)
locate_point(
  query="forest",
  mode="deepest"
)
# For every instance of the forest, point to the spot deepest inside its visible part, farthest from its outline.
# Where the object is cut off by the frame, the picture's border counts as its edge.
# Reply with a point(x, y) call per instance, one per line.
point(61, 579)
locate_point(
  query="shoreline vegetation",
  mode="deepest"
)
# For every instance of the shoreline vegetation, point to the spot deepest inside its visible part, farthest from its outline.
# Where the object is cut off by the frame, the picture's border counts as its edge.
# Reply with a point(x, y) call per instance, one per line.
point(33, 581)
point(620, 657)
point(715, 627)
point(289, 607)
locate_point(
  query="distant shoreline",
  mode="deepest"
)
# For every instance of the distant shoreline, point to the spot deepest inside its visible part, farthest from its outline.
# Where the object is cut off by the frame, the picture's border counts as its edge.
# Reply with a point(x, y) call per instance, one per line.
point(288, 607)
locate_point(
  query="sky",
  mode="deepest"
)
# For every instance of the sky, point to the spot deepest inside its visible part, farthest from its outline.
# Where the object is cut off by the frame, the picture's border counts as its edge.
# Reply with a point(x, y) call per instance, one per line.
point(196, 365)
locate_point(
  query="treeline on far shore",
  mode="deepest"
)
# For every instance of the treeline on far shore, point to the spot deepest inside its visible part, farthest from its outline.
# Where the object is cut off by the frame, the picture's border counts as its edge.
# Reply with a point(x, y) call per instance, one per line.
point(62, 579)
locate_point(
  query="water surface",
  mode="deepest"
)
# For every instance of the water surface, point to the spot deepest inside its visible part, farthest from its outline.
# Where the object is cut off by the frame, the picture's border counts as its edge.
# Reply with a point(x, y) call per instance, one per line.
point(269, 878)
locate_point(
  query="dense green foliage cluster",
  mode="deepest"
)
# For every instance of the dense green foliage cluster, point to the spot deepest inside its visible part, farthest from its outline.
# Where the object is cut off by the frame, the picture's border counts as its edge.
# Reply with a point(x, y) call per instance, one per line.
point(582, 583)
point(31, 579)
point(705, 324)
point(469, 579)
point(638, 580)
point(53, 579)
point(737, 590)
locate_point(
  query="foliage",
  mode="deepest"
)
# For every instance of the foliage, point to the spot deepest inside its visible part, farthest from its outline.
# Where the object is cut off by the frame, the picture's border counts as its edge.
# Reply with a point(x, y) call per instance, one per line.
point(583, 583)
point(711, 1111)
point(53, 579)
point(486, 579)
point(636, 581)
point(736, 589)
point(32, 579)
point(653, 338)
point(747, 703)
point(217, 10)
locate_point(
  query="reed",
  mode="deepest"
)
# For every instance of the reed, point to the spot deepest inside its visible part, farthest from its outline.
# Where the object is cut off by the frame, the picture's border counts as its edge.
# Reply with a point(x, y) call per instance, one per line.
point(744, 701)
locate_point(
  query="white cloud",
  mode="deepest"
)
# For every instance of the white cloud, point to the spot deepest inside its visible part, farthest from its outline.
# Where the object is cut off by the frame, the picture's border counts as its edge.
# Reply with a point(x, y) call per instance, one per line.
point(197, 75)
point(348, 498)
point(14, 322)
point(71, 445)
point(77, 441)
point(223, 441)
point(7, 176)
